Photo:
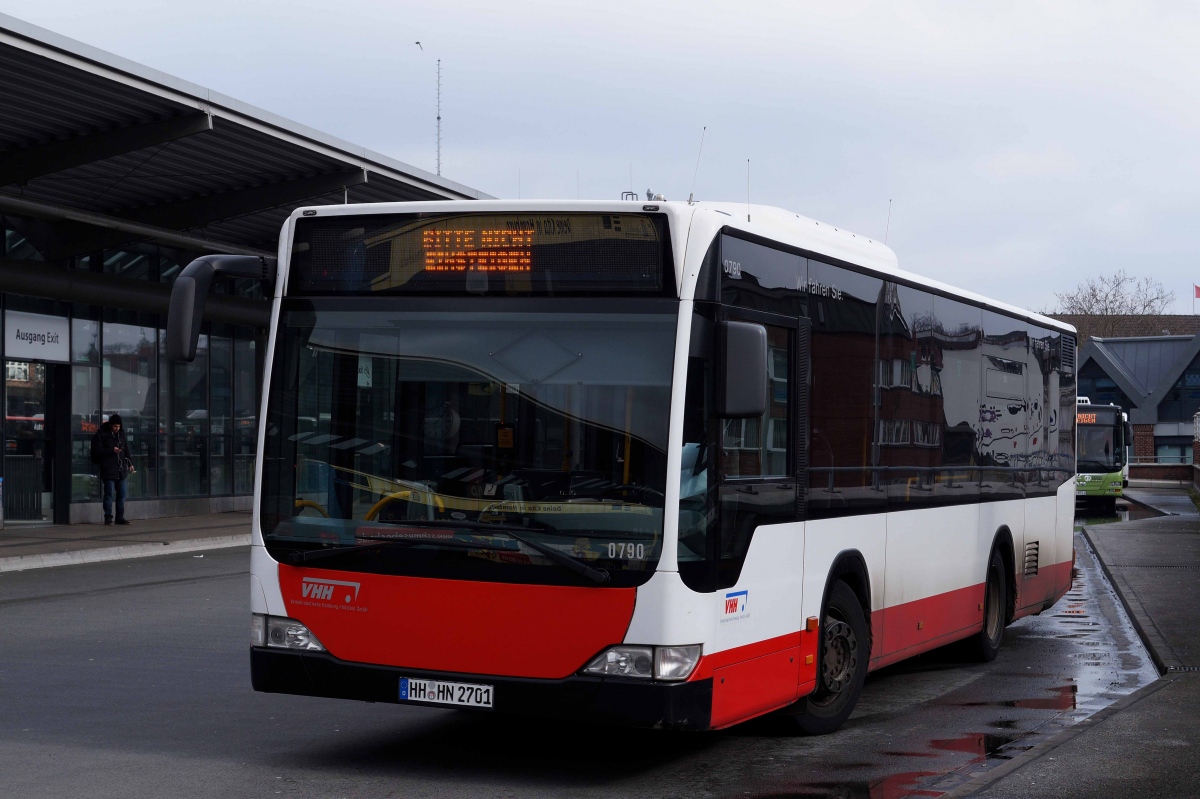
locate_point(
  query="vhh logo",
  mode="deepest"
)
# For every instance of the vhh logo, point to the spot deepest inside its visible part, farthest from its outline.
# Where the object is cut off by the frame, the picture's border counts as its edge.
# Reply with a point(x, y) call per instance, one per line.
point(736, 606)
point(312, 588)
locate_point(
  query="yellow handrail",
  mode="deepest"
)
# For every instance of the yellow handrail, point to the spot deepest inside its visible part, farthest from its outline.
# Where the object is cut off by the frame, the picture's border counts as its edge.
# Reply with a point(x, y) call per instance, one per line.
point(308, 503)
point(405, 495)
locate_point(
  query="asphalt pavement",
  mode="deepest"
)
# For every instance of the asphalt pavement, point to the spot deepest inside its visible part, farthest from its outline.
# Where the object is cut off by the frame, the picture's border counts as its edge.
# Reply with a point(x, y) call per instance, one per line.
point(1147, 744)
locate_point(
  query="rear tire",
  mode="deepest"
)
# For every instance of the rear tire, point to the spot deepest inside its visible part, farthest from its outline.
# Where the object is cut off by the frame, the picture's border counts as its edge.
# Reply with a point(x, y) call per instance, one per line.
point(844, 654)
point(986, 642)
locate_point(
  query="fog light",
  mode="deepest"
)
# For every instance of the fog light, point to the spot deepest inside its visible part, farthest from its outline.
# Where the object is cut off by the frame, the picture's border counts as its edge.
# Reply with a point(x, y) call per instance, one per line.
point(258, 629)
point(623, 661)
point(290, 634)
point(675, 662)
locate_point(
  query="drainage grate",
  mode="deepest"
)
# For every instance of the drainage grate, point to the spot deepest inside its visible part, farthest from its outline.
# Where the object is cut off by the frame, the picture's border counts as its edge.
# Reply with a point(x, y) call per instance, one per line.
point(1183, 668)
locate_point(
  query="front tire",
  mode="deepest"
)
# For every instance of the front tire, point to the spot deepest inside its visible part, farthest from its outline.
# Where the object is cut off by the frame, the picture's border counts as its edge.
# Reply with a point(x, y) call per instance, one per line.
point(845, 651)
point(986, 642)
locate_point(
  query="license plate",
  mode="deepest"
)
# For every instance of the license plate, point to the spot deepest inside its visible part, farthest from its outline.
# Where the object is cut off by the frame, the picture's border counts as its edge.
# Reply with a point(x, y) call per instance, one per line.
point(438, 692)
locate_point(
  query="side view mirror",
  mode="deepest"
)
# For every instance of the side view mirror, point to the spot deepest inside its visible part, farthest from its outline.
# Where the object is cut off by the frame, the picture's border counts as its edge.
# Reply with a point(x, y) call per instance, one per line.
point(190, 291)
point(743, 347)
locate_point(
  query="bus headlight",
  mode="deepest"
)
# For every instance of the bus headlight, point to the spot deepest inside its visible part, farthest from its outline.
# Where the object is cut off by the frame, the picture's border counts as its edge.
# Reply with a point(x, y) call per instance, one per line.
point(675, 662)
point(290, 634)
point(623, 661)
point(658, 662)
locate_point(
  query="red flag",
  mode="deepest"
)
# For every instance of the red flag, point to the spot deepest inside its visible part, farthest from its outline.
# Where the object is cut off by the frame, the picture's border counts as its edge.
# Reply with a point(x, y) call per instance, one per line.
point(1197, 289)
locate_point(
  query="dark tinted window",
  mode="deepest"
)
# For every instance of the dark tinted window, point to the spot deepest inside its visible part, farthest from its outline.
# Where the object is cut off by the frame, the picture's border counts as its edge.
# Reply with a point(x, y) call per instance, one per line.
point(1041, 477)
point(909, 435)
point(957, 344)
point(1182, 400)
point(761, 278)
point(1100, 388)
point(843, 307)
point(1004, 411)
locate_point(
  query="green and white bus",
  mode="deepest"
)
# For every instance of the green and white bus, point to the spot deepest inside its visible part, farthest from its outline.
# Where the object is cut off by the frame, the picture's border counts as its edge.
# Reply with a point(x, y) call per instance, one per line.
point(1104, 433)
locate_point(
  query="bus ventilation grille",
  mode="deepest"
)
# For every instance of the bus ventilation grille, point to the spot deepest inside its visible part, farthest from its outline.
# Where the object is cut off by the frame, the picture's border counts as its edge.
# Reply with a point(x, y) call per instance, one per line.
point(1068, 353)
point(1031, 559)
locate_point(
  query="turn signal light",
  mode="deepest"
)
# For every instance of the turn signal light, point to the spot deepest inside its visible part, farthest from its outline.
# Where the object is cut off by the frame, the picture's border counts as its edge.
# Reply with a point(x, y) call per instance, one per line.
point(675, 662)
point(658, 662)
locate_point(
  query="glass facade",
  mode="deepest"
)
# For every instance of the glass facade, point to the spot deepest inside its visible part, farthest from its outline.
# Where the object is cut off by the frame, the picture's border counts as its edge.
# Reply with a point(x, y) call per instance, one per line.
point(191, 428)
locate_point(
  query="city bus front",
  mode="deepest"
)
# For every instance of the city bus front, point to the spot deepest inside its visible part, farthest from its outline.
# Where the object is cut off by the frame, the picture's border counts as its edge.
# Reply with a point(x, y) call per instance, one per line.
point(1104, 435)
point(464, 472)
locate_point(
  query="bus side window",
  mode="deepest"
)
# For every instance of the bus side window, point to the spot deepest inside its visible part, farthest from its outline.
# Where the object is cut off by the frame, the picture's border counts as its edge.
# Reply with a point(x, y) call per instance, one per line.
point(757, 485)
point(696, 473)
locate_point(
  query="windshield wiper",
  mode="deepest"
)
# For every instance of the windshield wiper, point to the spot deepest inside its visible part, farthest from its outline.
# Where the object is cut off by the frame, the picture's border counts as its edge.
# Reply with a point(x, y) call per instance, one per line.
point(380, 542)
point(514, 532)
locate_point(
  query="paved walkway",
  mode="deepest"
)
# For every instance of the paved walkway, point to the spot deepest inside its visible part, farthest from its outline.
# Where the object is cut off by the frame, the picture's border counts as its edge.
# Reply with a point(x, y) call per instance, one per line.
point(23, 547)
point(1147, 744)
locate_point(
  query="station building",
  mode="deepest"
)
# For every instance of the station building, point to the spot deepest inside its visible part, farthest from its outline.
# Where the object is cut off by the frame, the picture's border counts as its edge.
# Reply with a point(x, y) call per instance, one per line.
point(113, 177)
point(1150, 366)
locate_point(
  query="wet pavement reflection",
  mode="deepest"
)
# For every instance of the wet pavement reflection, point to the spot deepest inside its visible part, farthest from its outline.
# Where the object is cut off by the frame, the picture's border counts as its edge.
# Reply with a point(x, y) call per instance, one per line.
point(946, 721)
point(1126, 510)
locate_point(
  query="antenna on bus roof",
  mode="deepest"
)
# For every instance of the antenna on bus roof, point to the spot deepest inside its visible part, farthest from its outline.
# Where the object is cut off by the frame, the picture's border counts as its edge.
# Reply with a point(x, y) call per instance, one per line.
point(888, 229)
point(747, 189)
point(692, 193)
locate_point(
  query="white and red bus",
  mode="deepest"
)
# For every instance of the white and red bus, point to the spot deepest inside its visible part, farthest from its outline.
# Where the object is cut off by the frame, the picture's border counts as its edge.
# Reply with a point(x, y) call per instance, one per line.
point(662, 464)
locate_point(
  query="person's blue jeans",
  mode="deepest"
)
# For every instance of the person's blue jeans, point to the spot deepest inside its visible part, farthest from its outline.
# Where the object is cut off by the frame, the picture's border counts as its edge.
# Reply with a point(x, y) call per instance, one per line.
point(114, 488)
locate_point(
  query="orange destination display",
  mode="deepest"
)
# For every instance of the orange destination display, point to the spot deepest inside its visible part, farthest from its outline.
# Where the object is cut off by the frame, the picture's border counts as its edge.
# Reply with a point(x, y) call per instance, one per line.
point(488, 253)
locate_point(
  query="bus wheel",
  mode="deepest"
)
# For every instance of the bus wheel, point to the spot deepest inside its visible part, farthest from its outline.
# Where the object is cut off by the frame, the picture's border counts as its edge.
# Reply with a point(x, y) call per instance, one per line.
point(845, 650)
point(986, 642)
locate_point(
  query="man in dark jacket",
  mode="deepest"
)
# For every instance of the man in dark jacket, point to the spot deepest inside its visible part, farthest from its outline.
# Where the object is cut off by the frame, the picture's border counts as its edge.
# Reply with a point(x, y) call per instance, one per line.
point(111, 453)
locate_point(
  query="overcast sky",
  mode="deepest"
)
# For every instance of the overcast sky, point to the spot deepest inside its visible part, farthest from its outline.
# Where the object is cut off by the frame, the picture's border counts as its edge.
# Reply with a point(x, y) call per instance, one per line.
point(1025, 146)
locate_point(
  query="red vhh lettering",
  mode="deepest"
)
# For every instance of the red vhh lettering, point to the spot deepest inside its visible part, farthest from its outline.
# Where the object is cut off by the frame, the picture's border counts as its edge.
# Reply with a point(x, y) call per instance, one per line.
point(731, 606)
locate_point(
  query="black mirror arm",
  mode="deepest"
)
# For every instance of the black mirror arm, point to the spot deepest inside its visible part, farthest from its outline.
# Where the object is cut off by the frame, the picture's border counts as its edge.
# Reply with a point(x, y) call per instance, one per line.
point(190, 292)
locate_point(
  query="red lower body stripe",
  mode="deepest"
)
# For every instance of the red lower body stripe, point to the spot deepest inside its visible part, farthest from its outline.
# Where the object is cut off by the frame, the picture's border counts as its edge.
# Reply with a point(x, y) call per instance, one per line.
point(751, 680)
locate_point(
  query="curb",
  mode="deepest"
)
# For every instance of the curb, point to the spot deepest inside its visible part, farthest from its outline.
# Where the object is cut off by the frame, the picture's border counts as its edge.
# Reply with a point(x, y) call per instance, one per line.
point(1145, 504)
point(989, 778)
point(82, 556)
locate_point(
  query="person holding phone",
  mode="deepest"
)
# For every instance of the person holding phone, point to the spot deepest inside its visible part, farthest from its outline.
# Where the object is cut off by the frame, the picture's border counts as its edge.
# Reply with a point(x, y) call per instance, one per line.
point(110, 452)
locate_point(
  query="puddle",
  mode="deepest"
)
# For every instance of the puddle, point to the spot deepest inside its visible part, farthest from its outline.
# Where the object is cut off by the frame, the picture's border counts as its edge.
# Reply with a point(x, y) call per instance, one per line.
point(1088, 515)
point(893, 786)
point(1063, 699)
point(979, 745)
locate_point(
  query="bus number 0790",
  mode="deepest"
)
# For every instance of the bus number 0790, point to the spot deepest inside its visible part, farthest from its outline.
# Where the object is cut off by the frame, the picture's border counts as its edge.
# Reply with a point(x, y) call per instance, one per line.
point(627, 551)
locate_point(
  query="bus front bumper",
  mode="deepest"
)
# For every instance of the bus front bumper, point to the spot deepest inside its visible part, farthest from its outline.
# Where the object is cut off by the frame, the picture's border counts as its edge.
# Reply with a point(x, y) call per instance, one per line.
point(635, 703)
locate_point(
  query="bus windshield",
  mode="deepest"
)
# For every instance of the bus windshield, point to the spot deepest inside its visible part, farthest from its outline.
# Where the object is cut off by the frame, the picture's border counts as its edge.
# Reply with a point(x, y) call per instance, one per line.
point(1098, 453)
point(424, 429)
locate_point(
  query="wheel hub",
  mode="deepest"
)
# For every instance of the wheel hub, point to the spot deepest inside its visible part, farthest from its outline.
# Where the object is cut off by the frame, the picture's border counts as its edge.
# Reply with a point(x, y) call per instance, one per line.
point(841, 655)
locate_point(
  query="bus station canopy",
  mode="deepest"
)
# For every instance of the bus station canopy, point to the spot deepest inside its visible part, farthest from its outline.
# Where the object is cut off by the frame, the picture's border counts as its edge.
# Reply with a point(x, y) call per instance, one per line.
point(98, 152)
